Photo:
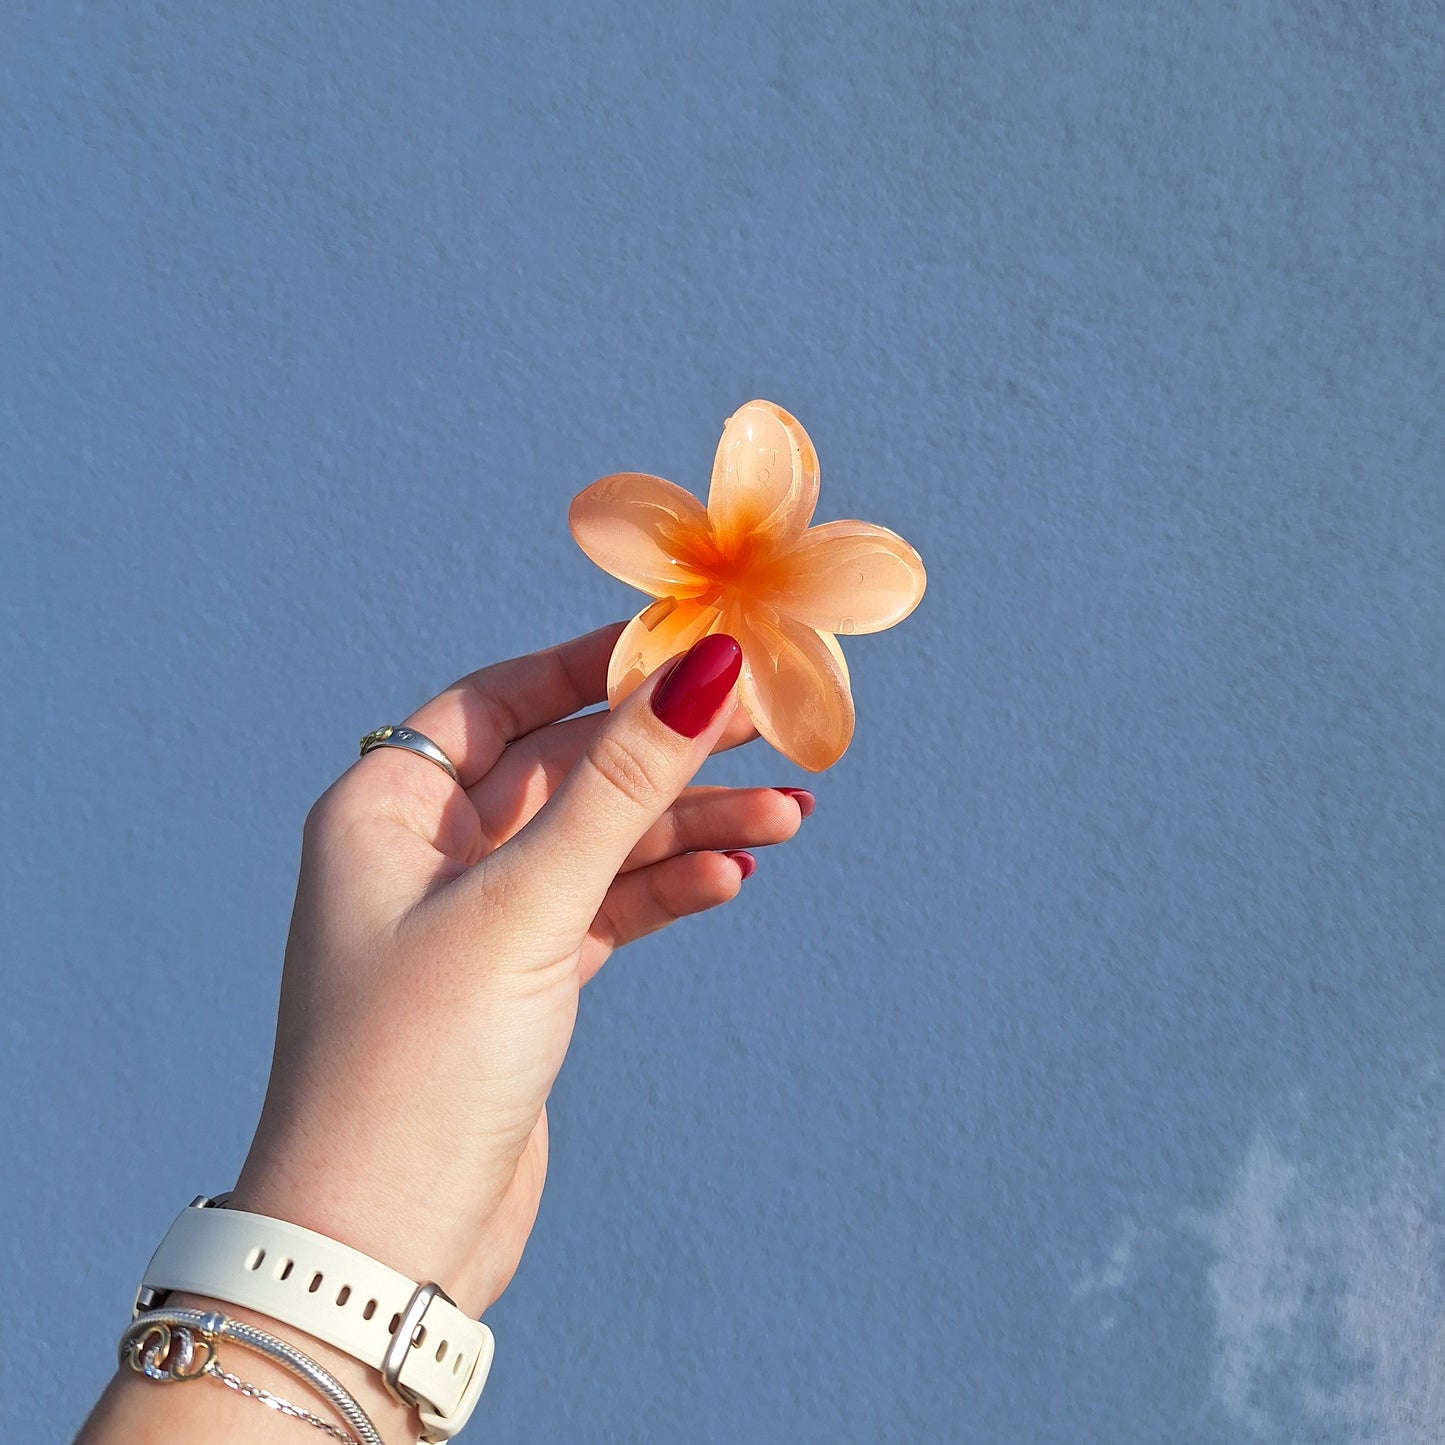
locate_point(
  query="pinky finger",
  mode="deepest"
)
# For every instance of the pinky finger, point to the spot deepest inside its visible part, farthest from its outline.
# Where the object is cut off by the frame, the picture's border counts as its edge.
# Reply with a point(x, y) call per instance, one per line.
point(647, 899)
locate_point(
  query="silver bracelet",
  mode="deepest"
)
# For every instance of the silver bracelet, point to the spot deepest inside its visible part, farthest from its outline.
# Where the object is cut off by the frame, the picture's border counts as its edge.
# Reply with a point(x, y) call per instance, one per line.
point(172, 1336)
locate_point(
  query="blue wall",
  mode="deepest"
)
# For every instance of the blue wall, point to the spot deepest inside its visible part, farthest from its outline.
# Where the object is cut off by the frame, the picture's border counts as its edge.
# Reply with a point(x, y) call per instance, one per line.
point(1076, 1074)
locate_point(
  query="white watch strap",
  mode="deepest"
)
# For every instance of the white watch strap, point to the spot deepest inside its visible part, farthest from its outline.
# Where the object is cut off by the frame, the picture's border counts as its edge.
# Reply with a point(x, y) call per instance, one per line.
point(337, 1294)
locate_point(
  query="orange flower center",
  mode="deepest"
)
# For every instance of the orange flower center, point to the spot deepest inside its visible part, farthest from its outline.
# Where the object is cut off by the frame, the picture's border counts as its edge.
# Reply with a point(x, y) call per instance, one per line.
point(735, 572)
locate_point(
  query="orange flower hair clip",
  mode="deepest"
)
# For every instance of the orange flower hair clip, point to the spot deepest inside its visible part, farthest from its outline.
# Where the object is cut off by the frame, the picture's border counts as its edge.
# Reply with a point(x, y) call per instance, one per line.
point(750, 565)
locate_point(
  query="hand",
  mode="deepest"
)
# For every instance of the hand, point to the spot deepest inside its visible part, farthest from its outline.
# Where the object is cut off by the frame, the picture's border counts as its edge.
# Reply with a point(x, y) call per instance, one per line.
point(441, 935)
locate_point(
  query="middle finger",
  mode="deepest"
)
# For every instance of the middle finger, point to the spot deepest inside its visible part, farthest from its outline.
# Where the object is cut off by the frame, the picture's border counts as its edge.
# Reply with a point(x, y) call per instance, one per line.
point(715, 819)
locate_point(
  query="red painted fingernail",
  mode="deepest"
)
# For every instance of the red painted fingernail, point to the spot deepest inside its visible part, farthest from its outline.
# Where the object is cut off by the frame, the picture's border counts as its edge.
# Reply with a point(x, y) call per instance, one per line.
point(691, 694)
point(802, 797)
point(747, 864)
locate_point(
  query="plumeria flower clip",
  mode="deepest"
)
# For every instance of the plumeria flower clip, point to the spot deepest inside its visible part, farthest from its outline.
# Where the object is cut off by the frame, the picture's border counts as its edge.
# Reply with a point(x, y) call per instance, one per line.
point(748, 564)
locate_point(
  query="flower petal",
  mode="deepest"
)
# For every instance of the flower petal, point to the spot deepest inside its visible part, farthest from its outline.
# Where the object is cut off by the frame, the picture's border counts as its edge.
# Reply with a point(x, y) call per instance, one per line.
point(846, 577)
point(644, 531)
point(661, 631)
point(794, 687)
point(764, 479)
point(831, 643)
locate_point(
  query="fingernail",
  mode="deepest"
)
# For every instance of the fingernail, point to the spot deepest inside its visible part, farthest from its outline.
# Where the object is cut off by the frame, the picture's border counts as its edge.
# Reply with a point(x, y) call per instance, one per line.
point(802, 797)
point(691, 694)
point(745, 861)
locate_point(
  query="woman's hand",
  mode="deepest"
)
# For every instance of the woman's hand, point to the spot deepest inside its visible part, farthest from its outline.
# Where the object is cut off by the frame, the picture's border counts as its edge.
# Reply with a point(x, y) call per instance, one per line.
point(442, 933)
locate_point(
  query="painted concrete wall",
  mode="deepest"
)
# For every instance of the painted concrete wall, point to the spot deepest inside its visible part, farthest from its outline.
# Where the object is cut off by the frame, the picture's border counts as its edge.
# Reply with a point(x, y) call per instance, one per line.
point(1077, 1074)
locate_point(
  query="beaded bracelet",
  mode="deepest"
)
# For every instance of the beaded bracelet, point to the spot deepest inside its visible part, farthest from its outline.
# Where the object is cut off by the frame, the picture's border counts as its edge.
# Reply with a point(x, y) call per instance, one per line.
point(166, 1345)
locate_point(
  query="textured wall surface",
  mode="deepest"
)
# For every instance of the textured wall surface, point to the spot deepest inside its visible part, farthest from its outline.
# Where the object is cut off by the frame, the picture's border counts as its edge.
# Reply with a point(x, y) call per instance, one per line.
point(1077, 1073)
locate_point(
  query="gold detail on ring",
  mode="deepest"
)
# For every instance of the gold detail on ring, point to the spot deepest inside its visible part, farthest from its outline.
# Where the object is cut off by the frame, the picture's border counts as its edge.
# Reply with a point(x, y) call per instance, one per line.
point(379, 736)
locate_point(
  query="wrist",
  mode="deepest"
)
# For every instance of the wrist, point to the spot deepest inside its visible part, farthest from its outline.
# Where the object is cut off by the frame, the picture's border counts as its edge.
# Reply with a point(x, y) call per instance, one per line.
point(471, 1254)
point(377, 1227)
point(402, 1342)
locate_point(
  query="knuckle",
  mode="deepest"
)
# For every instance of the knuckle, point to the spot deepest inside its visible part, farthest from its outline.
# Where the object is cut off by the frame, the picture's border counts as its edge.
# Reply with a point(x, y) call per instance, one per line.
point(332, 812)
point(636, 775)
point(321, 818)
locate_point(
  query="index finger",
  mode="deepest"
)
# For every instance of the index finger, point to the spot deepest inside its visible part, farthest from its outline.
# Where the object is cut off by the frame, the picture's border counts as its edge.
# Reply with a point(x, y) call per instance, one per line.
point(475, 718)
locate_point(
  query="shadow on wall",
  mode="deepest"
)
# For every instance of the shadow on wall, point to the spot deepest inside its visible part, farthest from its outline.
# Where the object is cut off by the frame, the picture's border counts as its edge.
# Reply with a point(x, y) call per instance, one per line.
point(1325, 1280)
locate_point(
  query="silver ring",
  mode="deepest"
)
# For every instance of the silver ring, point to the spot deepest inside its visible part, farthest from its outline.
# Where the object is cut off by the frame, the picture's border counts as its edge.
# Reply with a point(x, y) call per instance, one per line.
point(396, 736)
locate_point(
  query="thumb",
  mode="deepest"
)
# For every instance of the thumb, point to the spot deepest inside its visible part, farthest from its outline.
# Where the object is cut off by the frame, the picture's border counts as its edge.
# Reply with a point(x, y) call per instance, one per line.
point(564, 861)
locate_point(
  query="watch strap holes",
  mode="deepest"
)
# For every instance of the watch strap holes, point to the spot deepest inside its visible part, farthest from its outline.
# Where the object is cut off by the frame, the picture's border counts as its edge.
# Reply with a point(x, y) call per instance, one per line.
point(254, 1259)
point(344, 1295)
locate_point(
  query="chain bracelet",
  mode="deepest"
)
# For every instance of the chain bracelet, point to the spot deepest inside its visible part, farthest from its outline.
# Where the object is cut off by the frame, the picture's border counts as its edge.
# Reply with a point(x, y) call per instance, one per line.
point(275, 1402)
point(179, 1345)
